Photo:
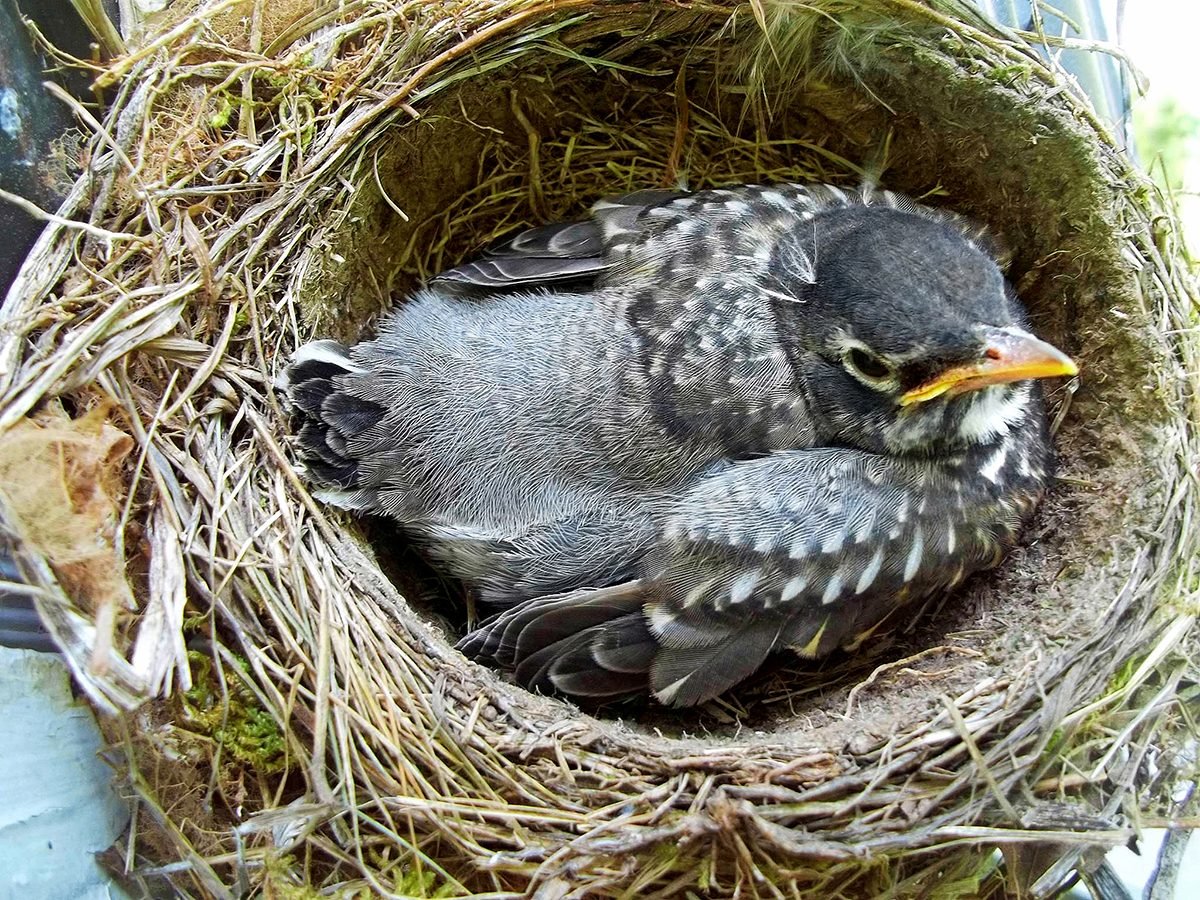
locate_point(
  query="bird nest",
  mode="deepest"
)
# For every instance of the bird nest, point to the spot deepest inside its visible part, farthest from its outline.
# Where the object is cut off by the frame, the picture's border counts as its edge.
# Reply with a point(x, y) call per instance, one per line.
point(282, 684)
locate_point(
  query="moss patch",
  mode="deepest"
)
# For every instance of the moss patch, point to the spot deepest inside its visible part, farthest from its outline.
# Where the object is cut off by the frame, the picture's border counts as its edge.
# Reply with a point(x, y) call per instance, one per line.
point(224, 709)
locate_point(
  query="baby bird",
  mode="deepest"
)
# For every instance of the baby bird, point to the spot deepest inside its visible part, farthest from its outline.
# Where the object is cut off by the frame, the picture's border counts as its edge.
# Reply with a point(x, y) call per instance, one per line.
point(695, 429)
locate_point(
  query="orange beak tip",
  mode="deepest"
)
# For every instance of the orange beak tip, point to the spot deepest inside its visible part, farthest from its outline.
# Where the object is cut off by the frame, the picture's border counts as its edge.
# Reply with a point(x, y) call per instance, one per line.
point(1009, 355)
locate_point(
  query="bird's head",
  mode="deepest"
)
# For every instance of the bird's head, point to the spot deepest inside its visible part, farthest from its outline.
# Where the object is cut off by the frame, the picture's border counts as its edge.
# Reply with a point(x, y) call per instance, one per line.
point(903, 332)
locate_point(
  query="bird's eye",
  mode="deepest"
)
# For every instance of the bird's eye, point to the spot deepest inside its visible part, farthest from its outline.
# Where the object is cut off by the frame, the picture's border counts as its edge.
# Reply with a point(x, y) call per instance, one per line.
point(867, 365)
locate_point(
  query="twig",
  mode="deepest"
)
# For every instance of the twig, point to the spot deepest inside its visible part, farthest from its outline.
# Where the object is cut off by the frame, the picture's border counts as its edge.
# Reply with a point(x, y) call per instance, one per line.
point(94, 230)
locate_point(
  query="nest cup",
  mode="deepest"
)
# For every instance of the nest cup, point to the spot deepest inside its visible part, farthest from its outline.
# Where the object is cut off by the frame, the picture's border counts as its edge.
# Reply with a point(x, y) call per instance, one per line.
point(268, 177)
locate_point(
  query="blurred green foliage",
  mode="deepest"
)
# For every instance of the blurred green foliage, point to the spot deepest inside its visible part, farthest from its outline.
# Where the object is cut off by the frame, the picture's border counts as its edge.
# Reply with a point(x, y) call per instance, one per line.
point(1168, 140)
point(1167, 133)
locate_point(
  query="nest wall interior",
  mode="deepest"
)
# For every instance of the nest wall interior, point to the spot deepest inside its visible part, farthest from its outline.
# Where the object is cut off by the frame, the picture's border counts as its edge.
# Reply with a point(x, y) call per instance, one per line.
point(264, 179)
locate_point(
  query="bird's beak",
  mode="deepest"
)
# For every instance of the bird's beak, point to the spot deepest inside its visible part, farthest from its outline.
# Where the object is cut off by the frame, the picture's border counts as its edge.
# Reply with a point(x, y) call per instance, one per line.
point(1009, 354)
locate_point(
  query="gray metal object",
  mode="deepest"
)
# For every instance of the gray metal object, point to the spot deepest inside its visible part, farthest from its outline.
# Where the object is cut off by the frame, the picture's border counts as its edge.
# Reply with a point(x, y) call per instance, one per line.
point(57, 805)
point(20, 626)
point(1100, 76)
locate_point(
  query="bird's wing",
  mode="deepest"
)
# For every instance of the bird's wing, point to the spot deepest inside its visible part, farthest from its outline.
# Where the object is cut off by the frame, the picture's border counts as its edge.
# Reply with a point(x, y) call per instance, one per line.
point(806, 549)
point(591, 643)
point(554, 254)
point(803, 549)
point(653, 236)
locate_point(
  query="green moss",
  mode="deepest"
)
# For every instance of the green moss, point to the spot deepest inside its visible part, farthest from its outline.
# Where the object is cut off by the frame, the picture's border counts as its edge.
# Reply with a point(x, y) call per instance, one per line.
point(196, 624)
point(1054, 744)
point(414, 882)
point(1121, 677)
point(220, 118)
point(704, 874)
point(279, 881)
point(1012, 75)
point(284, 878)
point(246, 733)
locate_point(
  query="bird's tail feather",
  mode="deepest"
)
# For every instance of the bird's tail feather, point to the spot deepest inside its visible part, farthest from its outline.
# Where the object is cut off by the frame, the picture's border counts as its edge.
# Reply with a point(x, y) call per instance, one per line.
point(592, 644)
point(687, 676)
point(330, 417)
point(599, 644)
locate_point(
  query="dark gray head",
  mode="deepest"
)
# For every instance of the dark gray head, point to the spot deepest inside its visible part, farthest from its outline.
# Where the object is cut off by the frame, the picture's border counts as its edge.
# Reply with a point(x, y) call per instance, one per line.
point(903, 332)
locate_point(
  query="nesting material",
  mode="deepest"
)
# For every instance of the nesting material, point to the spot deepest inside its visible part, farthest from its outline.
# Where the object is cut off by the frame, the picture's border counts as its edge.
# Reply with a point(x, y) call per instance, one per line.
point(62, 481)
point(261, 180)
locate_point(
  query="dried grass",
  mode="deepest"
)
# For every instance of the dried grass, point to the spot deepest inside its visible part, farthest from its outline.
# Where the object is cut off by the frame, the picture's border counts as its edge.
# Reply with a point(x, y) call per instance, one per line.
point(261, 180)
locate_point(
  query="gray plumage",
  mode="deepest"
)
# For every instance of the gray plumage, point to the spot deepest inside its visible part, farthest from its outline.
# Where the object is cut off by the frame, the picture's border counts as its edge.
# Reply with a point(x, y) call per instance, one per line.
point(693, 430)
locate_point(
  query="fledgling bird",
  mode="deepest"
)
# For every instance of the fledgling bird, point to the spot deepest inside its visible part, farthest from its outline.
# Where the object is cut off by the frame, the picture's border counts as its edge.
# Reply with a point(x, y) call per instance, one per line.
point(695, 429)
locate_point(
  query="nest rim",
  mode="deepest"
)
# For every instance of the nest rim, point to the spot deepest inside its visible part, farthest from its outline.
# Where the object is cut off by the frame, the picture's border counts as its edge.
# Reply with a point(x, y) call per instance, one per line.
point(540, 754)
